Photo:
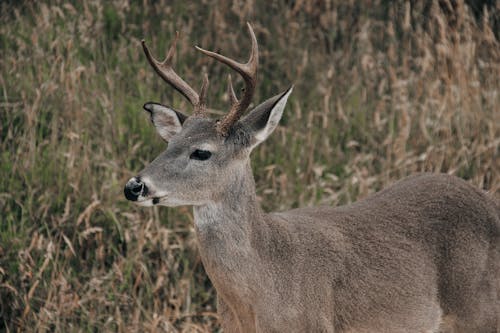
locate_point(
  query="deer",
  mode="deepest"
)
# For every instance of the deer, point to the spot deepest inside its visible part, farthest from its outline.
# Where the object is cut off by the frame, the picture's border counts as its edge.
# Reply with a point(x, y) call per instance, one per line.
point(421, 255)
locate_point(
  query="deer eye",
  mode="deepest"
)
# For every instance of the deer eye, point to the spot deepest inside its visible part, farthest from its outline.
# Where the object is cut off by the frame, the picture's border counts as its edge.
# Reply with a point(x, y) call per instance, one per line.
point(201, 155)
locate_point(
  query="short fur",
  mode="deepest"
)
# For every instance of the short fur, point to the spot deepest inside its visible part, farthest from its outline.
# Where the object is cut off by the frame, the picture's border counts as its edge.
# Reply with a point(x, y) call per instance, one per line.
point(423, 251)
point(394, 262)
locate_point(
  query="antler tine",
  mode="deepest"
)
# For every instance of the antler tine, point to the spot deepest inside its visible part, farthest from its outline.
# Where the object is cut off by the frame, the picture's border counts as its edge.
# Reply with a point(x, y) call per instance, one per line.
point(167, 73)
point(200, 108)
point(249, 73)
point(230, 91)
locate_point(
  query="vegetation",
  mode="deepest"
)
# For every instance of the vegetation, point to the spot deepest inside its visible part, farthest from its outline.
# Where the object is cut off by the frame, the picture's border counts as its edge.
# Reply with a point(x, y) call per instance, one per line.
point(383, 89)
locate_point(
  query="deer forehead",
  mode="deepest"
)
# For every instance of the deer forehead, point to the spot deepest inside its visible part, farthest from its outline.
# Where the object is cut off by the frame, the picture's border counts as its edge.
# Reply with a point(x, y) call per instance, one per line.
point(197, 131)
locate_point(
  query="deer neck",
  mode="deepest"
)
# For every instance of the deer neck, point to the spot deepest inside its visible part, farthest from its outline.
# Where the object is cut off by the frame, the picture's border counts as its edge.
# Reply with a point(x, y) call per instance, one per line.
point(233, 215)
point(225, 228)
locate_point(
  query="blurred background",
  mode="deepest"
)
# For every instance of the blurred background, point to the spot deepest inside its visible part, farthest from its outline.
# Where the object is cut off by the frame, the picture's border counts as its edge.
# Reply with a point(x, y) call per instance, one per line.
point(384, 89)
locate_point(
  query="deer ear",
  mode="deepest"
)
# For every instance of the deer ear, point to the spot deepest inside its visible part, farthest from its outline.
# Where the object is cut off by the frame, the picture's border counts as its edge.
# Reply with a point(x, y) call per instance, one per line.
point(262, 120)
point(167, 121)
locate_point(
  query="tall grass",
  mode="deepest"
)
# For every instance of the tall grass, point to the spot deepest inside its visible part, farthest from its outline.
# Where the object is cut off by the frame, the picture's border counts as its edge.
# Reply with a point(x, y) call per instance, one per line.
point(383, 90)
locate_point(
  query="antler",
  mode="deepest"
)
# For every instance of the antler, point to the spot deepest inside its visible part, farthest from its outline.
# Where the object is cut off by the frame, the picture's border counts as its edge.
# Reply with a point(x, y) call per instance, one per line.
point(167, 73)
point(249, 73)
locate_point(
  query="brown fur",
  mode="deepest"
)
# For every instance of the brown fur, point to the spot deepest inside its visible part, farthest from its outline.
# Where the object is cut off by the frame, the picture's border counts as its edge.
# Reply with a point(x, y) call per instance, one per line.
point(401, 260)
point(392, 262)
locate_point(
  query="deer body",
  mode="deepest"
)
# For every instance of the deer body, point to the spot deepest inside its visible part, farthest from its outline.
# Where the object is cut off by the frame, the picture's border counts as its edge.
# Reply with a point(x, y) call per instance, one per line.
point(422, 250)
point(378, 265)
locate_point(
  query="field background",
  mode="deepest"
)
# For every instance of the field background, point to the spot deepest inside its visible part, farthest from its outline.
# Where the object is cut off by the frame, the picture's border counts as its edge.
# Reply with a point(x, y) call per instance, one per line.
point(384, 89)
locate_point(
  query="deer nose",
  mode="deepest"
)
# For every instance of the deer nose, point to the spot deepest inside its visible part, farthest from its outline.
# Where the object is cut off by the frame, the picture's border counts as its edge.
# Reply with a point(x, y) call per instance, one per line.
point(134, 188)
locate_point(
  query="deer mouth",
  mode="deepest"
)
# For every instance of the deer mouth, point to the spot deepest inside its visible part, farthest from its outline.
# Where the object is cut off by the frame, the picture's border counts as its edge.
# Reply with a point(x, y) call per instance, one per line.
point(151, 201)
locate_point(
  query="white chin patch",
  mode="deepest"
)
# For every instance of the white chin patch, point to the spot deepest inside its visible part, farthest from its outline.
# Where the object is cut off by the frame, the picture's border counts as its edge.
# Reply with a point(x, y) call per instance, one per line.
point(160, 199)
point(144, 202)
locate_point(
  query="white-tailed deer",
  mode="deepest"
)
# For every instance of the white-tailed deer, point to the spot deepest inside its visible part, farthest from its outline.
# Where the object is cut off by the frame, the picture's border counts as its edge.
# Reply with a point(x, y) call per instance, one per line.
point(401, 260)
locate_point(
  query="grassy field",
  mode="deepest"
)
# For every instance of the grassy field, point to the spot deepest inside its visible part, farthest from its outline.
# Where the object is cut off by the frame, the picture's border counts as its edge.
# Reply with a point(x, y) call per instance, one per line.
point(383, 90)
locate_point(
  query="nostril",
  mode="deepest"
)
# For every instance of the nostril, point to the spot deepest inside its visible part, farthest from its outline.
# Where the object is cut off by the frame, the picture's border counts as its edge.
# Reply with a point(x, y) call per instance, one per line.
point(136, 188)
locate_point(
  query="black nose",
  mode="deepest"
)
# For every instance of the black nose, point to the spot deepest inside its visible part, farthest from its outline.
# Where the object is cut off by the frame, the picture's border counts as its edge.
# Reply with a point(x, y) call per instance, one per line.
point(134, 188)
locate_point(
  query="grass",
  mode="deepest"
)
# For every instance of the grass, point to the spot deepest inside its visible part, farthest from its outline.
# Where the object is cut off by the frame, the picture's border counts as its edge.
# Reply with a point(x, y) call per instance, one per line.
point(383, 90)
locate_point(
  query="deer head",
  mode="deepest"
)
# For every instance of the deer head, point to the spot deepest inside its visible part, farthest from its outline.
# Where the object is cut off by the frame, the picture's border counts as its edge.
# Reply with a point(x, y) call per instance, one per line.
point(203, 154)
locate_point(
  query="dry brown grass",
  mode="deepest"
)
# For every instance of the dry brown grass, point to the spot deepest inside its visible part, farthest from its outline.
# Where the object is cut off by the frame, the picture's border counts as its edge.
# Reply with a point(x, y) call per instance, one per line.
point(382, 91)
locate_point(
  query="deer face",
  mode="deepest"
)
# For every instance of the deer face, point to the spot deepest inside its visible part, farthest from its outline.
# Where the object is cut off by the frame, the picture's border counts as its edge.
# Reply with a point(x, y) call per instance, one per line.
point(184, 173)
point(199, 163)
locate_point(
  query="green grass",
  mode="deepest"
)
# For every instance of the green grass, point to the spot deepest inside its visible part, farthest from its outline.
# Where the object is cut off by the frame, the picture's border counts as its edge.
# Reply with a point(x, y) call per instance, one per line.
point(378, 95)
